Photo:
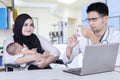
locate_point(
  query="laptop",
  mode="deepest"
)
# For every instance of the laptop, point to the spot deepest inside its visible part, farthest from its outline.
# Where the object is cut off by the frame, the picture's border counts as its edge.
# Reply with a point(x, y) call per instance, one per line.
point(97, 59)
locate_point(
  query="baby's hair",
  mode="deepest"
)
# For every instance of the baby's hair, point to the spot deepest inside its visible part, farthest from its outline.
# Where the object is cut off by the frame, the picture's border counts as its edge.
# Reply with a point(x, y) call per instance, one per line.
point(11, 48)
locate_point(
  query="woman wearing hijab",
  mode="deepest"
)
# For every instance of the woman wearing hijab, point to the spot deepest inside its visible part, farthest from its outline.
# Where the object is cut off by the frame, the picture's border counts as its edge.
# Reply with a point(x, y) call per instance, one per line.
point(23, 34)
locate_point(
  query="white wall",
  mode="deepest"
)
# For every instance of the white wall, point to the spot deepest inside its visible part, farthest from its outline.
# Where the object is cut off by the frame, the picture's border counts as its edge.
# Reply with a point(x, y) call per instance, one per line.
point(73, 17)
point(4, 34)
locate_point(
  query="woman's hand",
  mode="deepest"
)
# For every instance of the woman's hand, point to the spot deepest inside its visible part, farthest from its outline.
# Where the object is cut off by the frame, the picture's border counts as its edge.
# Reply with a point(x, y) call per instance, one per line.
point(43, 62)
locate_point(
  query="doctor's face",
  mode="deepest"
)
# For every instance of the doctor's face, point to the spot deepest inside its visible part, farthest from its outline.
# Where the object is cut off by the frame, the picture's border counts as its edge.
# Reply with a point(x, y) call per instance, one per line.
point(96, 21)
point(28, 27)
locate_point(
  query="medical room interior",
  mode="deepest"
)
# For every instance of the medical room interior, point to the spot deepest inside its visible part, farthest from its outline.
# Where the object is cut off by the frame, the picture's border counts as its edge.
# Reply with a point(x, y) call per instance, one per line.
point(56, 20)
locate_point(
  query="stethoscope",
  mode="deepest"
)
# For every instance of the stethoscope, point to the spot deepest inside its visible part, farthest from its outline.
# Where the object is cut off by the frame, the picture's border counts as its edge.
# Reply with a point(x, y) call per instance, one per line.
point(105, 41)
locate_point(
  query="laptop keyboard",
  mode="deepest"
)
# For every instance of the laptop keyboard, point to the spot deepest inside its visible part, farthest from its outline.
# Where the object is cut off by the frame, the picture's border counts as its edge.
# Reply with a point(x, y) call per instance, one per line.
point(73, 70)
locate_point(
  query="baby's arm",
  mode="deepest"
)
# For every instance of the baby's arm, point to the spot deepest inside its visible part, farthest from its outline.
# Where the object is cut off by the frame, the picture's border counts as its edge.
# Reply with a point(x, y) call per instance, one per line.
point(28, 51)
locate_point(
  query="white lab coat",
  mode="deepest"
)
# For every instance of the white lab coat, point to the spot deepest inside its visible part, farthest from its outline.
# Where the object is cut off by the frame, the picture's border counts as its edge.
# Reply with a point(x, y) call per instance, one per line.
point(111, 35)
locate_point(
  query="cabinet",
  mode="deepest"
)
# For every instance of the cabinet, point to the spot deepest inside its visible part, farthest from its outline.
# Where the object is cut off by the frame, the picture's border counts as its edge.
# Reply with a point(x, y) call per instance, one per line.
point(2, 67)
point(5, 13)
point(56, 37)
point(1, 59)
point(3, 18)
point(1, 56)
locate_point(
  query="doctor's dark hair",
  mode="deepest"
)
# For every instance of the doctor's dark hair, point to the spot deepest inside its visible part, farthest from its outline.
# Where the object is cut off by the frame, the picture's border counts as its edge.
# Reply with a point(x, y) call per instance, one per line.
point(99, 7)
point(12, 48)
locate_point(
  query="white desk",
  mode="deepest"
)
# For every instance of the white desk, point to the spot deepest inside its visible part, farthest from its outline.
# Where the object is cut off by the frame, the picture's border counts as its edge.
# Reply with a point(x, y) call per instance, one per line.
point(55, 75)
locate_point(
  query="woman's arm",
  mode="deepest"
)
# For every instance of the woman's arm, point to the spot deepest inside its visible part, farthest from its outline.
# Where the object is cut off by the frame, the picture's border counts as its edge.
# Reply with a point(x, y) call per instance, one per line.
point(45, 54)
point(46, 61)
point(53, 51)
point(47, 46)
point(28, 58)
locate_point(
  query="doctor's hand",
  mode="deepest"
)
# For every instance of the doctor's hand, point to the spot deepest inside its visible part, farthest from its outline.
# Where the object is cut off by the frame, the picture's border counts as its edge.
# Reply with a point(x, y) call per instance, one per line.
point(72, 41)
point(86, 32)
point(89, 34)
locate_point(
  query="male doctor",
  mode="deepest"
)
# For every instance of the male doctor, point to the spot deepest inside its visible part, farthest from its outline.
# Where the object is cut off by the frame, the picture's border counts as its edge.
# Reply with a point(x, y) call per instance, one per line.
point(97, 33)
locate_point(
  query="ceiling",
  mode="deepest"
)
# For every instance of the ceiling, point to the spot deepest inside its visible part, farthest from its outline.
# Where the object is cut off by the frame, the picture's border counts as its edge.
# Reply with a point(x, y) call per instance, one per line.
point(76, 4)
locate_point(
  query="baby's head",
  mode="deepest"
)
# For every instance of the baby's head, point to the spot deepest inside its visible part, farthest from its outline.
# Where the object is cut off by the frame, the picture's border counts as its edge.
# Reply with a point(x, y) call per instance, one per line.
point(14, 48)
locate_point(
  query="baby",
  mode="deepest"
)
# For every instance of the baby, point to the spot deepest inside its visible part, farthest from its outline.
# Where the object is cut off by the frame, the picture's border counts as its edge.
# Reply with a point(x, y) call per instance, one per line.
point(16, 49)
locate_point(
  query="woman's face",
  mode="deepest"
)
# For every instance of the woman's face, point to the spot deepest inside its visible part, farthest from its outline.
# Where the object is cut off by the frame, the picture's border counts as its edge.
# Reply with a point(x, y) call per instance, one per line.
point(28, 27)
